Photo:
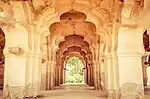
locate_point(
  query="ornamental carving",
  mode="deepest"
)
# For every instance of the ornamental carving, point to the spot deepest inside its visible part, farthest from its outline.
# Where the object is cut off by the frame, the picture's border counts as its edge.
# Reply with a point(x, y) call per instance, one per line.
point(15, 50)
point(13, 92)
point(19, 92)
point(131, 91)
point(40, 6)
point(6, 1)
point(5, 6)
point(137, 8)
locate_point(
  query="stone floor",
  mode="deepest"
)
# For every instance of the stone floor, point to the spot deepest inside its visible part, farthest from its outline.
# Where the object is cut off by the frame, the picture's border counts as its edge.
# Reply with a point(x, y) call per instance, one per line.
point(73, 92)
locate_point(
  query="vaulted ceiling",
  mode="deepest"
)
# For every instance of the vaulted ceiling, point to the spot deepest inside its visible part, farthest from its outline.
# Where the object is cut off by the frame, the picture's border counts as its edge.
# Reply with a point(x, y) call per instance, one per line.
point(74, 45)
point(73, 22)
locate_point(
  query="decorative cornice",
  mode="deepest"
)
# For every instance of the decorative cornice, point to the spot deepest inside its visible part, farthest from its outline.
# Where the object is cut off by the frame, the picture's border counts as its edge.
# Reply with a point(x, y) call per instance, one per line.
point(35, 55)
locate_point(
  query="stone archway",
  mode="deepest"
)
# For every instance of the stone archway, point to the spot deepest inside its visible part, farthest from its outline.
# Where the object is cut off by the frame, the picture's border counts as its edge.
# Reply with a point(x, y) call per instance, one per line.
point(99, 18)
point(74, 71)
point(75, 30)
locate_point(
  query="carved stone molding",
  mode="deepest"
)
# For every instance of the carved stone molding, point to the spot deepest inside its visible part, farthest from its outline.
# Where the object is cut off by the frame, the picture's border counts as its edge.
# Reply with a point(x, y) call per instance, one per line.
point(43, 5)
point(19, 92)
point(15, 50)
point(137, 8)
point(29, 91)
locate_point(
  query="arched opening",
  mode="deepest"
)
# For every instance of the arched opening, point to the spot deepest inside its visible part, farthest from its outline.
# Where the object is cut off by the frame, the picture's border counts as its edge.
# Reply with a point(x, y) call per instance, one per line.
point(79, 38)
point(146, 62)
point(74, 71)
point(2, 44)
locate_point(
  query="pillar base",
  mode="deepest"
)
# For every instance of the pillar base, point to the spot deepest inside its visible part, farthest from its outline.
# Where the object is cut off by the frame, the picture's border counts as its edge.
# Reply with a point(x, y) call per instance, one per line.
point(131, 91)
point(30, 91)
point(19, 92)
point(113, 94)
point(13, 92)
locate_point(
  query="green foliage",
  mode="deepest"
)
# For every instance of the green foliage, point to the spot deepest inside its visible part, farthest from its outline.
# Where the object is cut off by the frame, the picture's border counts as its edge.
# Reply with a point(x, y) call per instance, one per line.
point(76, 72)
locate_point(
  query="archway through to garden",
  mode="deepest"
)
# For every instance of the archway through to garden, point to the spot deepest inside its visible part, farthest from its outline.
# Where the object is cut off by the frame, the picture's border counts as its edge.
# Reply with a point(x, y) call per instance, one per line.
point(74, 71)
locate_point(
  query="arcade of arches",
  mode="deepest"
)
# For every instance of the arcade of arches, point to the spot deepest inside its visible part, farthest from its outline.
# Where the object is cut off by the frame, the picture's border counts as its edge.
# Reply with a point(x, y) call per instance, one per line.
point(38, 37)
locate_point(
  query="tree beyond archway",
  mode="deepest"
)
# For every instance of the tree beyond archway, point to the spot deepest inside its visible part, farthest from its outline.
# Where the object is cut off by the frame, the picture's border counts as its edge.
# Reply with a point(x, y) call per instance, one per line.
point(74, 71)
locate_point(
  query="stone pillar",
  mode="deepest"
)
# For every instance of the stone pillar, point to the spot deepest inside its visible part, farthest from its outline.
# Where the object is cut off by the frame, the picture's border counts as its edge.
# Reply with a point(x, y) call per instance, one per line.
point(97, 75)
point(94, 66)
point(108, 72)
point(64, 75)
point(144, 68)
point(85, 74)
point(36, 74)
point(14, 76)
point(130, 63)
point(102, 73)
point(91, 75)
point(56, 76)
point(61, 75)
point(59, 80)
point(48, 67)
point(33, 75)
point(52, 75)
point(29, 77)
point(48, 75)
point(116, 83)
point(15, 61)
point(43, 74)
point(111, 80)
point(115, 71)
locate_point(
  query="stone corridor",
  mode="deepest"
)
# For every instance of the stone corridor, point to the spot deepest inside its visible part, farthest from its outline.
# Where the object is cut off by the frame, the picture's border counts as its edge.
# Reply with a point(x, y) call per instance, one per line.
point(73, 92)
point(110, 37)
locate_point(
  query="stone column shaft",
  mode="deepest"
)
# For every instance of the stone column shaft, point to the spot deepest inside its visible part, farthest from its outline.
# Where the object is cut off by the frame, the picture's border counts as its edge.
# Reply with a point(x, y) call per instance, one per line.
point(108, 72)
point(33, 75)
point(91, 76)
point(130, 62)
point(14, 76)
